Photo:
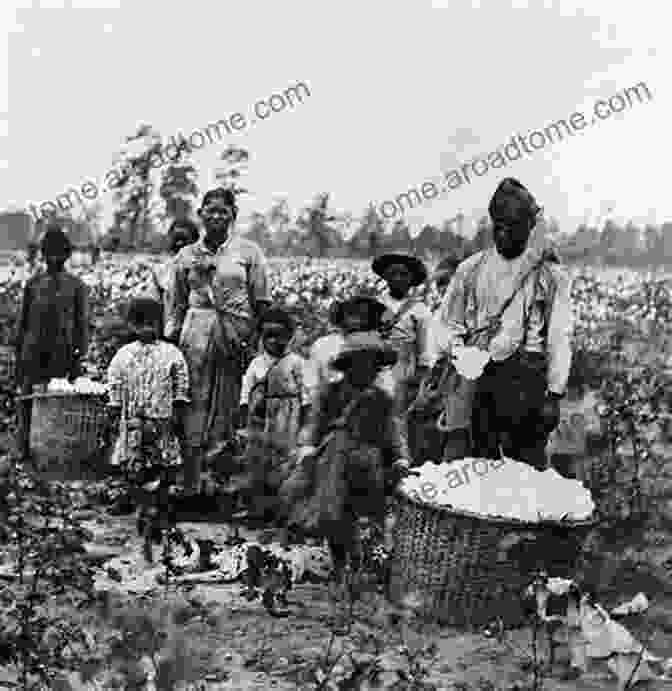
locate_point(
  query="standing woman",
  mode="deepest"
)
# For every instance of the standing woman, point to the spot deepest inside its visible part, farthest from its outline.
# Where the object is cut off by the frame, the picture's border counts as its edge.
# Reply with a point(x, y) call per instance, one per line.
point(220, 290)
point(53, 327)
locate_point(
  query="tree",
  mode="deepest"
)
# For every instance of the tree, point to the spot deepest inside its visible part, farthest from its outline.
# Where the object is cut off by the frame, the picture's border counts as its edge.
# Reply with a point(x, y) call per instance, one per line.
point(179, 186)
point(233, 166)
point(133, 187)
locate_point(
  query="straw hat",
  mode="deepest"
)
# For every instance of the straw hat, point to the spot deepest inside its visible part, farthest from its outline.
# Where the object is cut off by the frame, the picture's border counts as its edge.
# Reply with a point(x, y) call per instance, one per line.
point(413, 264)
point(364, 342)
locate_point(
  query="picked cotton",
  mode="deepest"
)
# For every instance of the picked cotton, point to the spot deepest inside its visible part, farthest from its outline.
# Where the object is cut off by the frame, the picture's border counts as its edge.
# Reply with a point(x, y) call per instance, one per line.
point(500, 487)
point(81, 385)
point(470, 361)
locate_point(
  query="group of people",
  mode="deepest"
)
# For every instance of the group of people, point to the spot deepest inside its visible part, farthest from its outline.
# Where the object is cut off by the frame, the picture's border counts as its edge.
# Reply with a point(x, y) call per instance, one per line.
point(326, 438)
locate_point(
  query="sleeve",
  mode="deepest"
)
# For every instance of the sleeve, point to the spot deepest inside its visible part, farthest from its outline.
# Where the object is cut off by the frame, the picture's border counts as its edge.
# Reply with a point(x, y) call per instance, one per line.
point(307, 385)
point(314, 371)
point(82, 316)
point(449, 325)
point(422, 325)
point(258, 278)
point(560, 327)
point(116, 380)
point(24, 311)
point(176, 300)
point(180, 372)
point(250, 380)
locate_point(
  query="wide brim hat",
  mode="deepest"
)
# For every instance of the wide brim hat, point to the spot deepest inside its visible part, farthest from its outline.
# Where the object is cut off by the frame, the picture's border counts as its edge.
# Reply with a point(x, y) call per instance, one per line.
point(376, 309)
point(365, 342)
point(415, 266)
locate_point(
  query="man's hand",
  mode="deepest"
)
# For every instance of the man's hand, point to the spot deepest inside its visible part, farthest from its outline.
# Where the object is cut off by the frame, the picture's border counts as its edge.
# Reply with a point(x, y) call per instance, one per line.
point(550, 412)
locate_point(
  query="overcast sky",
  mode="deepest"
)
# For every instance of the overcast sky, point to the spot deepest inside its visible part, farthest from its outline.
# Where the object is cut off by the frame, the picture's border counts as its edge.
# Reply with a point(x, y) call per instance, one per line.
point(400, 91)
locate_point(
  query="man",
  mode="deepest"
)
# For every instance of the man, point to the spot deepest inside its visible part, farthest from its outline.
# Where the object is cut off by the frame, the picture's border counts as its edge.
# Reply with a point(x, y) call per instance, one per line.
point(517, 300)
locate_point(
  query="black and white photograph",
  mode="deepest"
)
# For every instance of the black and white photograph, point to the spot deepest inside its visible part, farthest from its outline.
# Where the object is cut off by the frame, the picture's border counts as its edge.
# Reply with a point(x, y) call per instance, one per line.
point(335, 345)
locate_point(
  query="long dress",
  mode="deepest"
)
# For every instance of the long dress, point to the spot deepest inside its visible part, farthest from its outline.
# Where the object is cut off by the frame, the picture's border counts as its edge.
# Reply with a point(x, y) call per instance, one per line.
point(53, 328)
point(359, 438)
point(275, 391)
point(212, 301)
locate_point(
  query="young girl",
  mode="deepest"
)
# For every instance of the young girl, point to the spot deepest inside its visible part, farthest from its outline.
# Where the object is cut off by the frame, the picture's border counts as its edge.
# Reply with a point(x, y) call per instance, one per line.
point(274, 401)
point(53, 326)
point(148, 389)
point(350, 451)
point(357, 314)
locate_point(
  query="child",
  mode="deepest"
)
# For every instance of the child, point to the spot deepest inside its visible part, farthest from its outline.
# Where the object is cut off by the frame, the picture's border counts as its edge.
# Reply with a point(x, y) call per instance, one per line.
point(405, 327)
point(148, 389)
point(53, 326)
point(352, 450)
point(358, 313)
point(406, 321)
point(274, 402)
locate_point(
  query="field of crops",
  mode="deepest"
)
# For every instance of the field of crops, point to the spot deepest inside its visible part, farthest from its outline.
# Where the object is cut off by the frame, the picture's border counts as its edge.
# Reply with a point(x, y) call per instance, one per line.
point(619, 382)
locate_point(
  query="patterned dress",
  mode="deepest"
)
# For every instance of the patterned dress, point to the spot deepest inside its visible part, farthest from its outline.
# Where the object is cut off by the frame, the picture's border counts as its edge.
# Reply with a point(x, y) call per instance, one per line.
point(146, 380)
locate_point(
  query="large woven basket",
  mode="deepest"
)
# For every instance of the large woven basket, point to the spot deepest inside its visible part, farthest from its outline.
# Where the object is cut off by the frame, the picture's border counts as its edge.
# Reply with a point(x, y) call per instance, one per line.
point(468, 569)
point(65, 430)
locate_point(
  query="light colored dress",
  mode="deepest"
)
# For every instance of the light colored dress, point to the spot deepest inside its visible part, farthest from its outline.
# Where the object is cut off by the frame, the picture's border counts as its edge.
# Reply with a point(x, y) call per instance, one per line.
point(145, 380)
point(211, 309)
point(275, 389)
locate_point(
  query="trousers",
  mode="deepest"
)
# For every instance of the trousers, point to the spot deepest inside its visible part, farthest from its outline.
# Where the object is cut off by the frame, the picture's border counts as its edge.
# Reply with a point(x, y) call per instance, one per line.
point(507, 407)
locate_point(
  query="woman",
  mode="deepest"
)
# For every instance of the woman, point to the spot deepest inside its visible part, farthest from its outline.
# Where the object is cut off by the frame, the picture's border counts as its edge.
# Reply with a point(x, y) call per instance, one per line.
point(53, 327)
point(181, 234)
point(219, 291)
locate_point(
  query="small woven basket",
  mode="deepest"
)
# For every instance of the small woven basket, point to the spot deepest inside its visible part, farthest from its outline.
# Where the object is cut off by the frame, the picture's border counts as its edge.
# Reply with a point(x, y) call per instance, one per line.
point(65, 430)
point(468, 569)
point(7, 365)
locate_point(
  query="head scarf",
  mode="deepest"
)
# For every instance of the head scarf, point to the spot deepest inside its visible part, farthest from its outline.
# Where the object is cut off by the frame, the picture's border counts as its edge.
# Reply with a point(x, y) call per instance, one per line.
point(511, 190)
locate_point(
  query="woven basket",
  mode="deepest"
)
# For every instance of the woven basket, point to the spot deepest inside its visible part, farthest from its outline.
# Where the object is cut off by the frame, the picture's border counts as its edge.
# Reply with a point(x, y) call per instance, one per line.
point(7, 365)
point(468, 569)
point(65, 430)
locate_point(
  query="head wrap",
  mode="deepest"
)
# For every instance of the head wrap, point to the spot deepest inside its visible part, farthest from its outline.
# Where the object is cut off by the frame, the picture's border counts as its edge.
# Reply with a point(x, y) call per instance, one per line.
point(511, 190)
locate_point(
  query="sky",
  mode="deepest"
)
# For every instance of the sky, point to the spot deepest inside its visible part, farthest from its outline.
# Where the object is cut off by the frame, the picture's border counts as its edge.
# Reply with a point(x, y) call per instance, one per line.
point(400, 92)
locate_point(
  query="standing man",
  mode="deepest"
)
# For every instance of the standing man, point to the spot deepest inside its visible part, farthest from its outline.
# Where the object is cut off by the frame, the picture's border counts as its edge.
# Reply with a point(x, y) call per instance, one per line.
point(513, 302)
